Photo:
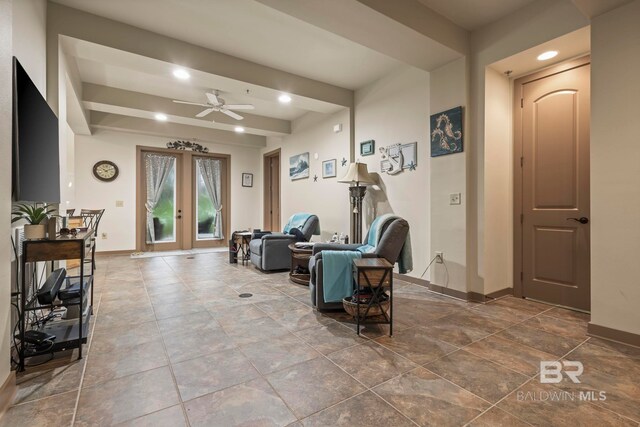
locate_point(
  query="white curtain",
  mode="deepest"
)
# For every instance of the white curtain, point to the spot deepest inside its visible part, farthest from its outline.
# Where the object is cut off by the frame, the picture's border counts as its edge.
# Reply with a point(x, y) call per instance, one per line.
point(157, 168)
point(211, 170)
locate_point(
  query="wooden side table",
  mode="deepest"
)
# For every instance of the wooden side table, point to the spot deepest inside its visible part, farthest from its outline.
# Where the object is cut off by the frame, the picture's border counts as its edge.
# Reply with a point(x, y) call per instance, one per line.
point(242, 239)
point(300, 259)
point(376, 276)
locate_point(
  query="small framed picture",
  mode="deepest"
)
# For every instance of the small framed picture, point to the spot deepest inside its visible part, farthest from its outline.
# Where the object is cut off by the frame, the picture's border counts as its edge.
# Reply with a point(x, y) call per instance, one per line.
point(247, 180)
point(385, 166)
point(367, 147)
point(329, 168)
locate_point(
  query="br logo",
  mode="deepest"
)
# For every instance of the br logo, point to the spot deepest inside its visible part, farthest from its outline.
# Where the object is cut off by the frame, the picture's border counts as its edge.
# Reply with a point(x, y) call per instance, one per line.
point(551, 371)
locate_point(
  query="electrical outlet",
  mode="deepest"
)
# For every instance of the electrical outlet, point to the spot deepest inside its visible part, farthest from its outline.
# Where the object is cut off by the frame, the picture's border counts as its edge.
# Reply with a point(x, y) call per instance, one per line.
point(119, 203)
point(104, 235)
point(439, 257)
point(454, 199)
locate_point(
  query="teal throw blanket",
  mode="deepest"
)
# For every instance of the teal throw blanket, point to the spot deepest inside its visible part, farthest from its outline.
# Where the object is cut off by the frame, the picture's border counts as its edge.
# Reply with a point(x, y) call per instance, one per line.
point(337, 272)
point(405, 261)
point(296, 221)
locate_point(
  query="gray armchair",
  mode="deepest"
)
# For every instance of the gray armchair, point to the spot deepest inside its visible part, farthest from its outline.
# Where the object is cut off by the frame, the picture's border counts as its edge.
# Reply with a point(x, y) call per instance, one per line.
point(392, 239)
point(271, 251)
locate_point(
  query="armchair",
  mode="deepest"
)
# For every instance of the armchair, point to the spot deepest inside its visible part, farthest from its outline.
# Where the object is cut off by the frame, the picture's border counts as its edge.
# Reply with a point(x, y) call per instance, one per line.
point(271, 251)
point(392, 239)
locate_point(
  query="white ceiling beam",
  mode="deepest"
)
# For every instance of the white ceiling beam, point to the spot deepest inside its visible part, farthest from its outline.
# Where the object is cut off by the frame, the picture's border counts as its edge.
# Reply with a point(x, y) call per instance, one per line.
point(405, 30)
point(62, 20)
point(593, 8)
point(98, 94)
point(100, 120)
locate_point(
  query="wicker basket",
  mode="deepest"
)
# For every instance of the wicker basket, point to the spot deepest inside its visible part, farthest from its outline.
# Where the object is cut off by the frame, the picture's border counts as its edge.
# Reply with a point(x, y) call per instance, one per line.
point(352, 308)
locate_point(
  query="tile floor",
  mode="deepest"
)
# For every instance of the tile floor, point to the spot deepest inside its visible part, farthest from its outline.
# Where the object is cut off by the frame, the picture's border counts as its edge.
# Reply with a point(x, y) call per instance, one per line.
point(173, 344)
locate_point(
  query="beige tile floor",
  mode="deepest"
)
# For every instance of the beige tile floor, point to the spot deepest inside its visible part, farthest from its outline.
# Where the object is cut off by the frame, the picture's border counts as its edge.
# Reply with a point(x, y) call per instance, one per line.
point(173, 344)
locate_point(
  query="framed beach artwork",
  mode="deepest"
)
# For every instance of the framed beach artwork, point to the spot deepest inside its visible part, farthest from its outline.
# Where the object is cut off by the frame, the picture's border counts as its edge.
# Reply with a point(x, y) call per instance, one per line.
point(299, 166)
point(329, 168)
point(367, 148)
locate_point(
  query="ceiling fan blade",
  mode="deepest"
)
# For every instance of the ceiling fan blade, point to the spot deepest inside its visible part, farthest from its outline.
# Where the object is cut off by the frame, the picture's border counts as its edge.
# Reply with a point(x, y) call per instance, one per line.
point(190, 103)
point(239, 106)
point(212, 98)
point(231, 114)
point(205, 112)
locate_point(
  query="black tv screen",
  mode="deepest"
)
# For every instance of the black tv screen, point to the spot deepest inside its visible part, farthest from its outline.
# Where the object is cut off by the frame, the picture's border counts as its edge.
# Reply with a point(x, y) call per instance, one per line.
point(36, 161)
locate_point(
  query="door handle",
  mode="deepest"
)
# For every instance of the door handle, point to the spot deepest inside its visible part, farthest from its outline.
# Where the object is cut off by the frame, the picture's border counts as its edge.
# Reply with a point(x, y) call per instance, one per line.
point(581, 220)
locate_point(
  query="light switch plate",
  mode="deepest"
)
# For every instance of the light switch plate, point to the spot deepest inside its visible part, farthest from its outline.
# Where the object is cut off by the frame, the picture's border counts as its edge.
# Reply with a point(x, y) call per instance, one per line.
point(119, 203)
point(455, 199)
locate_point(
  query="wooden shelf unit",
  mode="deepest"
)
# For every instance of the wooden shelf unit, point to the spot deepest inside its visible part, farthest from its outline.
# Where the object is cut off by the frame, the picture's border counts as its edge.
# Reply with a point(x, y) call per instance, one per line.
point(69, 333)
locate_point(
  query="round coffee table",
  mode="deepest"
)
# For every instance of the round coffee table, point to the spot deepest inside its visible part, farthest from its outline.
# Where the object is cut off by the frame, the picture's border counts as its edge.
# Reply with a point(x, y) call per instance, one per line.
point(300, 261)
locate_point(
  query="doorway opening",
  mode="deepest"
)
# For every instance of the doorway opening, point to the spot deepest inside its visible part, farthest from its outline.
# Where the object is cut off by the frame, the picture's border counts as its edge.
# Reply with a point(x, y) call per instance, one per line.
point(182, 199)
point(551, 185)
point(271, 216)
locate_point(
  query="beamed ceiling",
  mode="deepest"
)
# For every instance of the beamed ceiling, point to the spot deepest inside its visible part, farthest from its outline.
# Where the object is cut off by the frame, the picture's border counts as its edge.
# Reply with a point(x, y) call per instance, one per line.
point(121, 55)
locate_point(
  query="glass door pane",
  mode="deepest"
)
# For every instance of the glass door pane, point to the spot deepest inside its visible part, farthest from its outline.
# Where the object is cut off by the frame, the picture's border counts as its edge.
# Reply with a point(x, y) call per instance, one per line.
point(161, 181)
point(205, 212)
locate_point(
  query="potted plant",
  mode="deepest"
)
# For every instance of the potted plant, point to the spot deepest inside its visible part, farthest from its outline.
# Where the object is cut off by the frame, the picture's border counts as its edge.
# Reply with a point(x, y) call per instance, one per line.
point(36, 219)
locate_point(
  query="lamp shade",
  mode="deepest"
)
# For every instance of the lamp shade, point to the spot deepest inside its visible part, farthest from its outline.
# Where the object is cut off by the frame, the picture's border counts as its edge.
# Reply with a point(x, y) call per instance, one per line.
point(357, 173)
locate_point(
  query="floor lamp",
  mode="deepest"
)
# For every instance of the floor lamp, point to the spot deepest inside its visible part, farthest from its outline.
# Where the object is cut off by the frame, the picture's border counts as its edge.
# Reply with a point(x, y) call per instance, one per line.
point(358, 175)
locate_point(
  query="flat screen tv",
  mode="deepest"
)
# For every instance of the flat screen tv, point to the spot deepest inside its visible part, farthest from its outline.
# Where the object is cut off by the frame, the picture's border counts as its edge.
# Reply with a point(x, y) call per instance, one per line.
point(36, 161)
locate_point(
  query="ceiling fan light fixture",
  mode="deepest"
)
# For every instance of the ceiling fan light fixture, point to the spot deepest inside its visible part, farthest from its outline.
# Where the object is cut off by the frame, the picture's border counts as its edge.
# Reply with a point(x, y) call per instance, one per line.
point(547, 55)
point(284, 98)
point(239, 129)
point(161, 117)
point(181, 73)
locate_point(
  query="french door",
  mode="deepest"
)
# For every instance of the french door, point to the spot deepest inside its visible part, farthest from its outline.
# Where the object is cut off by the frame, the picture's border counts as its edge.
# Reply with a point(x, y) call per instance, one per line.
point(183, 200)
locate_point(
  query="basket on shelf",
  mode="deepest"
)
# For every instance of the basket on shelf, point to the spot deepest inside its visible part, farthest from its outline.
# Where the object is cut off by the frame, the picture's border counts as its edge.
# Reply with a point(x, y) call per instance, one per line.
point(352, 308)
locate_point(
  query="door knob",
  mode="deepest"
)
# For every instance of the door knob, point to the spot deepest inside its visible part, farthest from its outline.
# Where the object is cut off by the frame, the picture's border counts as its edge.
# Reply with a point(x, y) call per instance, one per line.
point(581, 220)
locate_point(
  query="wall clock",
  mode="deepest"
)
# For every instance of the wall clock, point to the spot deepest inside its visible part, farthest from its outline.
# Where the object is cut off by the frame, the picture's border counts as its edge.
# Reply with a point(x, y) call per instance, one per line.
point(105, 170)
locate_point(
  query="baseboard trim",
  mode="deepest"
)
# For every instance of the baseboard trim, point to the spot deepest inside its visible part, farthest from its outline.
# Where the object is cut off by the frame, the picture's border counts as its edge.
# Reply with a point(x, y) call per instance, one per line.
point(414, 280)
point(122, 252)
point(500, 293)
point(611, 334)
point(466, 296)
point(7, 393)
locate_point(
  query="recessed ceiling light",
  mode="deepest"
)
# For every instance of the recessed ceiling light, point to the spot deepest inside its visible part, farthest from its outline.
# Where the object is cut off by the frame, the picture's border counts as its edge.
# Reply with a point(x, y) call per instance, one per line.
point(239, 129)
point(284, 98)
point(161, 117)
point(181, 73)
point(547, 55)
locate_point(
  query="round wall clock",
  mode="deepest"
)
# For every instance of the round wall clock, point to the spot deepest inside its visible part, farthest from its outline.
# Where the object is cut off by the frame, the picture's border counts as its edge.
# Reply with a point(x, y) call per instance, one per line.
point(105, 170)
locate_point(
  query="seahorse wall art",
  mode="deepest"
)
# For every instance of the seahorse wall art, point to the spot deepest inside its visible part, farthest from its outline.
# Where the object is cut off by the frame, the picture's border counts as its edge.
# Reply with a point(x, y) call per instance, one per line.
point(446, 132)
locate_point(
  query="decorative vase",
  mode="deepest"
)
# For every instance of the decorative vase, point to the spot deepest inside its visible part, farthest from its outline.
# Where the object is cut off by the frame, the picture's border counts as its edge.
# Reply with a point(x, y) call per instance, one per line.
point(35, 231)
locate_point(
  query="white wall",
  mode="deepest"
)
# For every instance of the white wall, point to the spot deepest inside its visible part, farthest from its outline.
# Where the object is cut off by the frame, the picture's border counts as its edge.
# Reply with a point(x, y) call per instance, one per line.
point(615, 169)
point(313, 133)
point(498, 183)
point(120, 148)
point(395, 109)
point(449, 175)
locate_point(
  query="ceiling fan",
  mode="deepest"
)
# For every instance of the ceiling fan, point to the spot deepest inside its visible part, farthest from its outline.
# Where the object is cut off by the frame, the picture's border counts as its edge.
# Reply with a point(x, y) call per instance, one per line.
point(215, 103)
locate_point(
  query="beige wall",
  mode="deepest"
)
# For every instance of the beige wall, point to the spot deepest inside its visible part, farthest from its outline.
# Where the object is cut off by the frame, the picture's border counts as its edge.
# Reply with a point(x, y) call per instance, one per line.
point(120, 148)
point(5, 184)
point(326, 198)
point(22, 34)
point(395, 109)
point(615, 169)
point(497, 269)
point(449, 175)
